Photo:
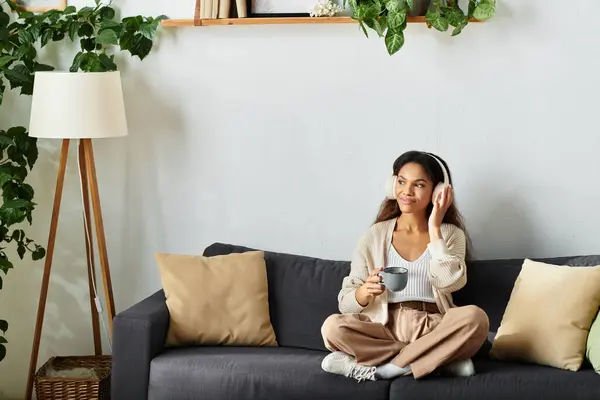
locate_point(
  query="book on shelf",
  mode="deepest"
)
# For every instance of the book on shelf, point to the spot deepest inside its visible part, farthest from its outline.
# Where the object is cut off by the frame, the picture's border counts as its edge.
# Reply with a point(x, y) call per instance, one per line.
point(212, 9)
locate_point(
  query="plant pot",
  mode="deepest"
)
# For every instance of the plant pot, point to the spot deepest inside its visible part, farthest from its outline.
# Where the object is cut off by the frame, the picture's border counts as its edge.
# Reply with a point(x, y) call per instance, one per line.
point(419, 8)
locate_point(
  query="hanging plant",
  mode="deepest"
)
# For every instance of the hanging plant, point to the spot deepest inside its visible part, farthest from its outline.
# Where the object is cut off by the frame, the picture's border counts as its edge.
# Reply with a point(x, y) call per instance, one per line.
point(447, 13)
point(388, 18)
point(97, 32)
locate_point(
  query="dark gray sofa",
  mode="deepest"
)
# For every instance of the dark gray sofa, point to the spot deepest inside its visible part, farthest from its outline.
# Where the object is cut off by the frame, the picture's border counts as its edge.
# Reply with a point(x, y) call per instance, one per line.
point(302, 293)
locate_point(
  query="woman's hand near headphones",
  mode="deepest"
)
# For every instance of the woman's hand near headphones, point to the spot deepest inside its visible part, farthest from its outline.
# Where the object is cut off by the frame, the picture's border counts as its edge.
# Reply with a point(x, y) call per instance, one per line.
point(370, 289)
point(440, 206)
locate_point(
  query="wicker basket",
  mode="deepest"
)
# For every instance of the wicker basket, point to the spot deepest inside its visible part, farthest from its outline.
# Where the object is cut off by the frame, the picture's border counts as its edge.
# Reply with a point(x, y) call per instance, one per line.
point(74, 388)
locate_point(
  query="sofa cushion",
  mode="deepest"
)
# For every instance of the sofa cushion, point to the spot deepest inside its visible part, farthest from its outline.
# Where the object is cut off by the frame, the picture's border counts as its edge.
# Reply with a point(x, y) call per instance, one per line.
point(267, 373)
point(302, 294)
point(552, 333)
point(497, 380)
point(593, 345)
point(192, 285)
point(490, 283)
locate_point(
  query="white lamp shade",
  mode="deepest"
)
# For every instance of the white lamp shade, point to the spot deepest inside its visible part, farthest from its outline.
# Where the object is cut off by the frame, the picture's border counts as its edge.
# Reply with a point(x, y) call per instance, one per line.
point(80, 105)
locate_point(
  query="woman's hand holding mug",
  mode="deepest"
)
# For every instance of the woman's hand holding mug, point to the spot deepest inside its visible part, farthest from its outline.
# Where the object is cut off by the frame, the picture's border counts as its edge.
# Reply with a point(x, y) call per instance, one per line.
point(371, 288)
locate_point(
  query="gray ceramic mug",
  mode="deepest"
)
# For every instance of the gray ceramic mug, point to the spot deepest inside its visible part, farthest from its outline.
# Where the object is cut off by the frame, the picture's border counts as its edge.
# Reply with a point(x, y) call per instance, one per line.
point(394, 278)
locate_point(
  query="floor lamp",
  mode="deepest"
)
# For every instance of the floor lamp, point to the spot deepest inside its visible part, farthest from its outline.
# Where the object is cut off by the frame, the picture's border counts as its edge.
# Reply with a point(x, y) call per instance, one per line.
point(81, 106)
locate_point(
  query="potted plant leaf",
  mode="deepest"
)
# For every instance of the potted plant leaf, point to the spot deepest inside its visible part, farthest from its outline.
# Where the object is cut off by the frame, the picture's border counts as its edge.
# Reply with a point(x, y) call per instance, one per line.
point(388, 18)
point(447, 13)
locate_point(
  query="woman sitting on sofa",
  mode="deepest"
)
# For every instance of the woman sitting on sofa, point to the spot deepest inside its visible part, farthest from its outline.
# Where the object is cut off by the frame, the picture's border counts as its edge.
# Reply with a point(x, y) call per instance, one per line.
point(383, 334)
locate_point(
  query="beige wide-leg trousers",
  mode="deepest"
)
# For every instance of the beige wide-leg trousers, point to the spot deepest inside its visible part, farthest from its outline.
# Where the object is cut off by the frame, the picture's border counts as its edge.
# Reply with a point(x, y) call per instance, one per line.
point(424, 340)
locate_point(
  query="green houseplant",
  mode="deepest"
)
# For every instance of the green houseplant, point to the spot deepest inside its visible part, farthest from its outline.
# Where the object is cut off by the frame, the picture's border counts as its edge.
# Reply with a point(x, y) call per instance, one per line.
point(388, 18)
point(99, 33)
point(447, 13)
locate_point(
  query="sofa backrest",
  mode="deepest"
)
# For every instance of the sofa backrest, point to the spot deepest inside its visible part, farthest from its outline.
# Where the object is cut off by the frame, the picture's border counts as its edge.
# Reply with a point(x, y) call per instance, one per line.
point(302, 294)
point(303, 290)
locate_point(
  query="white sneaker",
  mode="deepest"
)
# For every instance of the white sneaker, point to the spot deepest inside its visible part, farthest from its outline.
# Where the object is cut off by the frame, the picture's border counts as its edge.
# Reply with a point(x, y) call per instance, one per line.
point(343, 364)
point(461, 368)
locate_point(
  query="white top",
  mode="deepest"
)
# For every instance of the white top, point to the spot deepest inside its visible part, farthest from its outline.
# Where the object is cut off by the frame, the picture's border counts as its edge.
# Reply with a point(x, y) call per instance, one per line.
point(419, 287)
point(447, 269)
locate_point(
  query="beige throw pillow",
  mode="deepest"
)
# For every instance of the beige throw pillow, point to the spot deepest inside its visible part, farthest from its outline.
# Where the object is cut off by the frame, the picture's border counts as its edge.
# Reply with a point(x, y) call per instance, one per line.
point(549, 315)
point(220, 300)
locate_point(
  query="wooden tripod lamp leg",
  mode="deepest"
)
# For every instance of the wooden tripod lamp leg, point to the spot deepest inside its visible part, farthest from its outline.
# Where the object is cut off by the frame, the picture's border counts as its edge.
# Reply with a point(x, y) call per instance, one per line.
point(197, 20)
point(95, 195)
point(47, 266)
point(89, 251)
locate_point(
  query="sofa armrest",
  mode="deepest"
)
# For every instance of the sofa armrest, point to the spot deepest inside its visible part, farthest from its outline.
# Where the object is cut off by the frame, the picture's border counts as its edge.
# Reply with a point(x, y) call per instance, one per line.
point(139, 335)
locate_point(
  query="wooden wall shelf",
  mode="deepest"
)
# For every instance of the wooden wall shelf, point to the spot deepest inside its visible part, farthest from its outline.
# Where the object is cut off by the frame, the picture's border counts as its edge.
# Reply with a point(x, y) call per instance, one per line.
point(271, 21)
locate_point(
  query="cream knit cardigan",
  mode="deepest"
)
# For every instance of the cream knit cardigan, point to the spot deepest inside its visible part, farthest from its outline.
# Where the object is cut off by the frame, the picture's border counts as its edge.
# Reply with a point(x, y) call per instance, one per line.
point(447, 269)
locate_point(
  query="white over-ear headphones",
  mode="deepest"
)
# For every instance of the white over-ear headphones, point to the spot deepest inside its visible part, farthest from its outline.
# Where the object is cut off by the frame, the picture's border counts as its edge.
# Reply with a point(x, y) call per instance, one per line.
point(393, 181)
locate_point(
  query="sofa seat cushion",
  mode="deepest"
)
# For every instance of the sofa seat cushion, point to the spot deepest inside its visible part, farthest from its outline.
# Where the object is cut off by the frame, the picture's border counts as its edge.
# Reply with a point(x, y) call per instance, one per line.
point(498, 380)
point(265, 373)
